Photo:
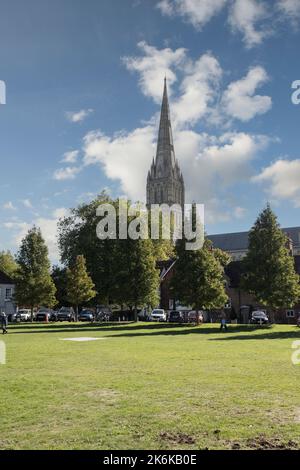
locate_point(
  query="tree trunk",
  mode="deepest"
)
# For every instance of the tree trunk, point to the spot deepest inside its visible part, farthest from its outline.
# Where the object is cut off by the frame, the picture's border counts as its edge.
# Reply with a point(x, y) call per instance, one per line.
point(76, 313)
point(135, 313)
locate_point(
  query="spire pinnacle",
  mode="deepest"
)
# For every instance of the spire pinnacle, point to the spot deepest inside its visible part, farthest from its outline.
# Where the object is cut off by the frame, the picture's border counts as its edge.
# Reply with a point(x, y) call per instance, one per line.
point(165, 157)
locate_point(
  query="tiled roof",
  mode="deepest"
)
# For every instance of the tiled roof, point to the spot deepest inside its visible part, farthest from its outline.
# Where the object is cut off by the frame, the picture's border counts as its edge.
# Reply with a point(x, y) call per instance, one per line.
point(239, 240)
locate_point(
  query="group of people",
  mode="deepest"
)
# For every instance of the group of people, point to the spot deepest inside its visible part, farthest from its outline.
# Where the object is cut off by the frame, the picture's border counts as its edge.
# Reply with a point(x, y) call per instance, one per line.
point(3, 322)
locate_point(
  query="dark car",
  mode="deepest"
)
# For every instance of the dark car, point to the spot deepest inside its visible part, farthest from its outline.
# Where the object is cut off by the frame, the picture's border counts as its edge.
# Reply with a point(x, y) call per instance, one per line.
point(86, 315)
point(176, 317)
point(44, 314)
point(103, 313)
point(259, 317)
point(66, 314)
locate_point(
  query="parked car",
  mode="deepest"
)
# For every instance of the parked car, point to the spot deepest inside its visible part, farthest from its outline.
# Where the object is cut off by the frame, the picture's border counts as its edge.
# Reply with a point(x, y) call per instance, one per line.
point(158, 314)
point(44, 314)
point(259, 317)
point(66, 314)
point(86, 315)
point(192, 316)
point(176, 317)
point(103, 313)
point(23, 314)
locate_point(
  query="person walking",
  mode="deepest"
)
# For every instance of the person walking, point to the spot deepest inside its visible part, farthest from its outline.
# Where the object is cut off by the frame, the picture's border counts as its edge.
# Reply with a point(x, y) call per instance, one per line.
point(223, 325)
point(4, 323)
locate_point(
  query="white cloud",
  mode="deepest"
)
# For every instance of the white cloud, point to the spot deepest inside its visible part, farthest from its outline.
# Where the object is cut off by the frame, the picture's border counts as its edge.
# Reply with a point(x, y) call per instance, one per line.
point(153, 66)
point(9, 206)
point(246, 17)
point(239, 100)
point(48, 228)
point(291, 9)
point(27, 203)
point(282, 179)
point(68, 173)
point(70, 157)
point(78, 116)
point(198, 90)
point(196, 12)
point(125, 157)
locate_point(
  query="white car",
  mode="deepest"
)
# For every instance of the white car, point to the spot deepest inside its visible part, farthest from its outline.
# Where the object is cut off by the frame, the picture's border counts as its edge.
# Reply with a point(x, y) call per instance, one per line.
point(158, 314)
point(24, 314)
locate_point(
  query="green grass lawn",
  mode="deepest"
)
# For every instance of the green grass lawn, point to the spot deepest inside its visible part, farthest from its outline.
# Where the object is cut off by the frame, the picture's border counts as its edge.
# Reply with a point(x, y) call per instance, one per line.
point(149, 386)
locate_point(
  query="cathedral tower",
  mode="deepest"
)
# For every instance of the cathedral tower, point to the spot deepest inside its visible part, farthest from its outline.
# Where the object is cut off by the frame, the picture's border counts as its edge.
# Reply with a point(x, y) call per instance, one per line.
point(165, 183)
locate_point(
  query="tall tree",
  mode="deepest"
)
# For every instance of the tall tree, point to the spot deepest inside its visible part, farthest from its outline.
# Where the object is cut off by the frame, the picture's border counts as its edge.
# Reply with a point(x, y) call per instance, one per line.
point(8, 263)
point(269, 265)
point(77, 234)
point(34, 285)
point(59, 277)
point(137, 279)
point(80, 287)
point(199, 277)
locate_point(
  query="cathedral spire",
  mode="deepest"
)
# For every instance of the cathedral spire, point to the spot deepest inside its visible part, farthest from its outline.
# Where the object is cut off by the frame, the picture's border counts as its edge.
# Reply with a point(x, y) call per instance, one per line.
point(165, 156)
point(165, 183)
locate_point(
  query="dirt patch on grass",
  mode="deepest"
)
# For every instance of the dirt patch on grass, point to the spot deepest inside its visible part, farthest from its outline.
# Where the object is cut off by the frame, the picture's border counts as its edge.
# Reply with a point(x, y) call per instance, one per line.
point(104, 394)
point(177, 438)
point(265, 443)
point(297, 416)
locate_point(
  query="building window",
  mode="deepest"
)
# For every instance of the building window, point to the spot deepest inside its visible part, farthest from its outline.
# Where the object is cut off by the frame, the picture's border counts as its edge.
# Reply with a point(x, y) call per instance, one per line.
point(290, 313)
point(8, 293)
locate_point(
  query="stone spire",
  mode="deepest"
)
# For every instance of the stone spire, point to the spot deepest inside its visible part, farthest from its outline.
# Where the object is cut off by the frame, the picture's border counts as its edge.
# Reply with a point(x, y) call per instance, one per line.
point(165, 183)
point(165, 157)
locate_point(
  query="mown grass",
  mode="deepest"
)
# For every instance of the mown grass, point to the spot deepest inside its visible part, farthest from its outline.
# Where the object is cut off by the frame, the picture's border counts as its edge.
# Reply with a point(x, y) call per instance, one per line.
point(149, 386)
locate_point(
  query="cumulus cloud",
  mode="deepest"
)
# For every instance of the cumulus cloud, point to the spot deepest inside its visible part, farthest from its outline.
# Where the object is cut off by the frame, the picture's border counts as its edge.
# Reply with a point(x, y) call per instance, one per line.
point(198, 90)
point(48, 226)
point(196, 12)
point(153, 66)
point(70, 157)
point(125, 157)
point(291, 10)
point(67, 173)
point(246, 17)
point(282, 179)
point(78, 116)
point(9, 206)
point(27, 203)
point(239, 100)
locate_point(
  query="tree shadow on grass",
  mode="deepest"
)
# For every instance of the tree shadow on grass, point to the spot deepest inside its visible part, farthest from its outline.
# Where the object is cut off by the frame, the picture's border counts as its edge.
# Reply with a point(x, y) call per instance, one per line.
point(293, 334)
point(131, 329)
point(34, 328)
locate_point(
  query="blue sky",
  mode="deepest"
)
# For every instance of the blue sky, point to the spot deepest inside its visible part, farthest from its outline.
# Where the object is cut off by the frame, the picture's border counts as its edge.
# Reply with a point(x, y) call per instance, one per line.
point(84, 82)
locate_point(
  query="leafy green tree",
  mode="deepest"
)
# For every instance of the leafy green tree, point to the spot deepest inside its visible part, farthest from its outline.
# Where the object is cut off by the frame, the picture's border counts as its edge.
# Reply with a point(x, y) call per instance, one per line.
point(34, 285)
point(137, 279)
point(8, 263)
point(269, 266)
point(199, 277)
point(80, 287)
point(77, 234)
point(59, 277)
